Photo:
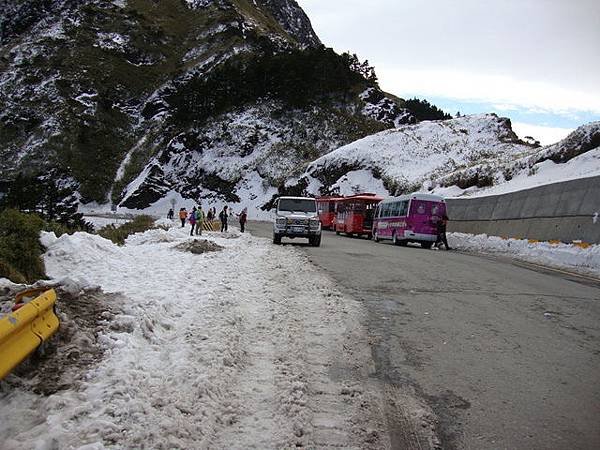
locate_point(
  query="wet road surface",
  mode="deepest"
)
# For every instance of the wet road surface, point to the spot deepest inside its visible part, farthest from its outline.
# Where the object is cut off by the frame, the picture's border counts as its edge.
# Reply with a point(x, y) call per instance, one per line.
point(505, 356)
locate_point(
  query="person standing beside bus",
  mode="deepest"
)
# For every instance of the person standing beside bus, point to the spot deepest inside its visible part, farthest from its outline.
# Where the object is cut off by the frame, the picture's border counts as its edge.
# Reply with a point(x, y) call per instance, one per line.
point(441, 232)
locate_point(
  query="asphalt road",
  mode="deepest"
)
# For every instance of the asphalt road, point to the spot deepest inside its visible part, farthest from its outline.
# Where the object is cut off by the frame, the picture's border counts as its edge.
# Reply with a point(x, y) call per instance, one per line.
point(506, 356)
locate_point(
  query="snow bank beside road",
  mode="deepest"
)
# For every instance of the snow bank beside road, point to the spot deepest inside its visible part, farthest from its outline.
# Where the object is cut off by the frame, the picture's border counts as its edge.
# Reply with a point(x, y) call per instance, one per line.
point(565, 256)
point(228, 349)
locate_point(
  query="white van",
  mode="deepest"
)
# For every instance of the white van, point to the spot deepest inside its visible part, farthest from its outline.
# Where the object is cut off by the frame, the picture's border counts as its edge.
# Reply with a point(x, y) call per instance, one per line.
point(297, 217)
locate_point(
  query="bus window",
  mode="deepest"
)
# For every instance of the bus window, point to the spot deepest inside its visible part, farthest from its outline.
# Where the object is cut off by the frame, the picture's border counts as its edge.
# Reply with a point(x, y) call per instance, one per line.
point(403, 208)
point(420, 207)
point(393, 209)
point(385, 210)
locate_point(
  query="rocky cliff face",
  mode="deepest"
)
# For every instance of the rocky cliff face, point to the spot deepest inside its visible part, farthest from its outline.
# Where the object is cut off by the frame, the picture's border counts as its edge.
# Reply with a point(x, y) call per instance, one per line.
point(102, 89)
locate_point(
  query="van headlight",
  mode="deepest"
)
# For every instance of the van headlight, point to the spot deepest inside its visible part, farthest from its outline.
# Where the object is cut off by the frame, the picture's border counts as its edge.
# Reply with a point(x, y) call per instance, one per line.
point(314, 223)
point(280, 221)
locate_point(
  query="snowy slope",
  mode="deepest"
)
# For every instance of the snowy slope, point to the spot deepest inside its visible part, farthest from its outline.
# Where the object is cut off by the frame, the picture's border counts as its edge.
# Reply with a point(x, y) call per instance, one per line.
point(472, 155)
point(203, 351)
point(406, 157)
point(576, 156)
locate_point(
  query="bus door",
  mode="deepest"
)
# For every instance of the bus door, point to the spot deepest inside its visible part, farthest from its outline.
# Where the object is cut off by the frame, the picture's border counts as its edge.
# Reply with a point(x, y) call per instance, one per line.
point(370, 209)
point(421, 216)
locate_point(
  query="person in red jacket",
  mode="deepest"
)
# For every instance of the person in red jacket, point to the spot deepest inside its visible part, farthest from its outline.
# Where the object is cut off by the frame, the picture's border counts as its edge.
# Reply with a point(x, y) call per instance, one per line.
point(182, 216)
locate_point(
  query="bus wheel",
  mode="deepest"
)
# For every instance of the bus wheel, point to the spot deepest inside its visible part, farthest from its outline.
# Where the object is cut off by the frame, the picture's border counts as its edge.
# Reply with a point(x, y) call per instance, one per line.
point(337, 232)
point(426, 245)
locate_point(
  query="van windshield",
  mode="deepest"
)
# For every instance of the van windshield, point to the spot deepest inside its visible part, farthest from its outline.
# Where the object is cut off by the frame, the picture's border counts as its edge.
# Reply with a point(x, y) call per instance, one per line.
point(297, 205)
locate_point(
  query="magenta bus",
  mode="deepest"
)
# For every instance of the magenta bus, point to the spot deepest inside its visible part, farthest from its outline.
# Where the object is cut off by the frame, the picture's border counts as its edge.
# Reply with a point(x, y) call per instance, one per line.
point(409, 218)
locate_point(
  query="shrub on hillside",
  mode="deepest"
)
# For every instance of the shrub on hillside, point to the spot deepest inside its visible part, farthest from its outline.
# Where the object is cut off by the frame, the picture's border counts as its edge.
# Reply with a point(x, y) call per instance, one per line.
point(20, 248)
point(118, 234)
point(423, 110)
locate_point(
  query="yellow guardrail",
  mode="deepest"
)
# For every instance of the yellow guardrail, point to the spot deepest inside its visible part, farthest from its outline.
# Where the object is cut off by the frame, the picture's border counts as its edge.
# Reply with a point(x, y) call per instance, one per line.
point(23, 330)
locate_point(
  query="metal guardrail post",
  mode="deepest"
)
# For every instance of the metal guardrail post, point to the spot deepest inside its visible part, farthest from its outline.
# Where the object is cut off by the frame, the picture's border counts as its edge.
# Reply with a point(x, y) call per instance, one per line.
point(22, 331)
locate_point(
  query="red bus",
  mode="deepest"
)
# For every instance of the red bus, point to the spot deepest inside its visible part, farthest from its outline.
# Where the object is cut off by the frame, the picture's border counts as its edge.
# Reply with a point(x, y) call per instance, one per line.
point(354, 214)
point(326, 208)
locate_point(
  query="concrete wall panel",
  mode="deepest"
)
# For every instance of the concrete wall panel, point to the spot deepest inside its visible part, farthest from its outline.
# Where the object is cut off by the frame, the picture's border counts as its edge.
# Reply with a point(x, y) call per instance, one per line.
point(562, 211)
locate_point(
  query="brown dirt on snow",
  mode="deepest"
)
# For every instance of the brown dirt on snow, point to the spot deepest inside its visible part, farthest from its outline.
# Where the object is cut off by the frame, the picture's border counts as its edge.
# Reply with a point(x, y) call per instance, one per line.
point(61, 362)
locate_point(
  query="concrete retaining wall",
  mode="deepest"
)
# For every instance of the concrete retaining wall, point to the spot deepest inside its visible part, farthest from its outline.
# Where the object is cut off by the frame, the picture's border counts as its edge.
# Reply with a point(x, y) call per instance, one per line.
point(562, 211)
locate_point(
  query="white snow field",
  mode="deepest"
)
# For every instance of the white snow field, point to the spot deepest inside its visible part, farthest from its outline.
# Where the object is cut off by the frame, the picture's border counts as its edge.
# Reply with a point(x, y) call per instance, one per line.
point(559, 255)
point(248, 347)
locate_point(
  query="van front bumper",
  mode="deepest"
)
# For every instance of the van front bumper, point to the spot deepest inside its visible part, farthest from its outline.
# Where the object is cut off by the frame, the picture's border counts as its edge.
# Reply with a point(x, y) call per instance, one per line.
point(297, 231)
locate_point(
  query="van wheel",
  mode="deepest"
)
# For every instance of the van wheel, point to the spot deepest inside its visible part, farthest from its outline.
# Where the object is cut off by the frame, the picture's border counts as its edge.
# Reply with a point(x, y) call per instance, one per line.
point(276, 239)
point(315, 242)
point(426, 245)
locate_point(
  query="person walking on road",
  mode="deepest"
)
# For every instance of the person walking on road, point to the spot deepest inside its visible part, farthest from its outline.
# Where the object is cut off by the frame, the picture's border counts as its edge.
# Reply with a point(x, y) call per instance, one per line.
point(170, 214)
point(441, 232)
point(199, 220)
point(182, 216)
point(223, 216)
point(243, 219)
point(192, 219)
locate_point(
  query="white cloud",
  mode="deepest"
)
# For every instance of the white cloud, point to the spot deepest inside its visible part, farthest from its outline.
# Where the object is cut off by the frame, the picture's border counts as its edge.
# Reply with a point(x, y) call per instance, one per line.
point(530, 54)
point(546, 135)
point(507, 91)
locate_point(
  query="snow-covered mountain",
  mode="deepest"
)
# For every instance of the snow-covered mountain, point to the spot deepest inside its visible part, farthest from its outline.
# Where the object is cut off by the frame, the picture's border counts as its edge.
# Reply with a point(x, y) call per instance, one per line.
point(471, 155)
point(105, 89)
point(141, 102)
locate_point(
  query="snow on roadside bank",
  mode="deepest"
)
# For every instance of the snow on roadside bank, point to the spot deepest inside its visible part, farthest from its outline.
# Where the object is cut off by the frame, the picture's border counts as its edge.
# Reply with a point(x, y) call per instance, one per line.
point(564, 256)
point(228, 349)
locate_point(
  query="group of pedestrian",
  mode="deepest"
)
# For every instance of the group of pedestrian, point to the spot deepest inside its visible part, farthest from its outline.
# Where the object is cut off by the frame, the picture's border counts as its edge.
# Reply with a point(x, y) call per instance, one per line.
point(196, 218)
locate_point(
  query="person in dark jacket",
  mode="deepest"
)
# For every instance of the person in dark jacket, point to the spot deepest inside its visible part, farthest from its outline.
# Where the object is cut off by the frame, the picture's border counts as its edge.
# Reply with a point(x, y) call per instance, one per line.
point(170, 214)
point(223, 216)
point(441, 232)
point(243, 219)
point(192, 220)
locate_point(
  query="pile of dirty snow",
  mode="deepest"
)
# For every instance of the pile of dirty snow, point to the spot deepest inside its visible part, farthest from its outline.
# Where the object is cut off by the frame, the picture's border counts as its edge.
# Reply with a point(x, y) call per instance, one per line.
point(566, 256)
point(224, 349)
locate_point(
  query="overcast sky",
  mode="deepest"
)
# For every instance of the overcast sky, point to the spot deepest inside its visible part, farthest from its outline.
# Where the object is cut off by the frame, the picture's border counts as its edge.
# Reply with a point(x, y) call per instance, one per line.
point(535, 61)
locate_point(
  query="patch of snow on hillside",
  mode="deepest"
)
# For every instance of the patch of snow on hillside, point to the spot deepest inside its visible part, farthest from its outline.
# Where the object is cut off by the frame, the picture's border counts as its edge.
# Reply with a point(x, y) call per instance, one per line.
point(548, 172)
point(196, 4)
point(111, 41)
point(359, 181)
point(410, 154)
